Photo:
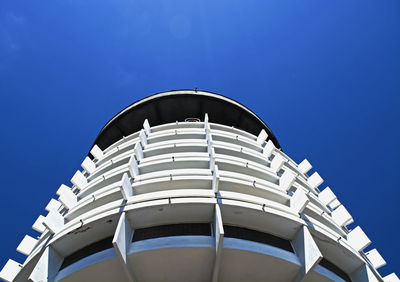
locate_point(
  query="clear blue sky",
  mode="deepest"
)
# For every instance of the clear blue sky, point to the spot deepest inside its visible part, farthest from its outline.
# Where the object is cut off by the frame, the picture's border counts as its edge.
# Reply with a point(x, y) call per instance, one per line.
point(324, 75)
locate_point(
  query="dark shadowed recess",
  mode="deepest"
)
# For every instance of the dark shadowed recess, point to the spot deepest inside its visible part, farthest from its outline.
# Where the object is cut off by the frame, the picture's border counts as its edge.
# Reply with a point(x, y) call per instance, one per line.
point(257, 236)
point(330, 266)
point(91, 249)
point(185, 229)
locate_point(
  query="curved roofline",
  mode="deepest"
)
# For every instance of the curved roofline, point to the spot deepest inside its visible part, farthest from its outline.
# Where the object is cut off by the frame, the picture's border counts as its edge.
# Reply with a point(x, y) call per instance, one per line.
point(175, 94)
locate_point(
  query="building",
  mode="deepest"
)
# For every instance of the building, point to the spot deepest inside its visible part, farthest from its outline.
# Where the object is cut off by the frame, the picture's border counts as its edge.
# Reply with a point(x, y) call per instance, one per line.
point(192, 186)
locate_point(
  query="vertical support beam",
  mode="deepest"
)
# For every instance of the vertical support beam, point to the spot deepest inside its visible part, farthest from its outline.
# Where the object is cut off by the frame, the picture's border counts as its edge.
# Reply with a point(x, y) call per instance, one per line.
point(363, 274)
point(79, 180)
point(210, 149)
point(121, 242)
point(126, 187)
point(307, 251)
point(219, 238)
point(357, 239)
point(262, 137)
point(206, 126)
point(205, 118)
point(27, 244)
point(88, 165)
point(67, 197)
point(96, 152)
point(133, 166)
point(215, 180)
point(47, 267)
point(138, 151)
point(212, 159)
point(304, 166)
point(146, 127)
point(10, 270)
point(209, 142)
point(299, 201)
point(143, 137)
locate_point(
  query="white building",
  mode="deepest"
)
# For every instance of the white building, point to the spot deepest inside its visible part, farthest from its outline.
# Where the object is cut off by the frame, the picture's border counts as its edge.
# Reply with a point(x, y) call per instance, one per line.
point(192, 186)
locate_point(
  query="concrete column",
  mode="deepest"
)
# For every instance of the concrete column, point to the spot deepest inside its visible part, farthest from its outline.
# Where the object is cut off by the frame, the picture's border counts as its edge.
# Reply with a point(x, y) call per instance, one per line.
point(121, 242)
point(307, 251)
point(219, 238)
point(47, 267)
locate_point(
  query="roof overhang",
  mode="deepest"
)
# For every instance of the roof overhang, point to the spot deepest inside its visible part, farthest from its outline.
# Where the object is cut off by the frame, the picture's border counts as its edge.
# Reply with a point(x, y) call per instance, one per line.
point(178, 105)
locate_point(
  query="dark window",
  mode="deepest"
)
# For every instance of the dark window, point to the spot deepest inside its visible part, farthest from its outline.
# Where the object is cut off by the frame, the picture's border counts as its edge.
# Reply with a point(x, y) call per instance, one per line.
point(257, 236)
point(87, 251)
point(172, 230)
point(333, 268)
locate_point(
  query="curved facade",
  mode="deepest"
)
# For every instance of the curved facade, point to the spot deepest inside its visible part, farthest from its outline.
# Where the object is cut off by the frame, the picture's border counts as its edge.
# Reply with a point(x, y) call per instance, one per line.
point(192, 186)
